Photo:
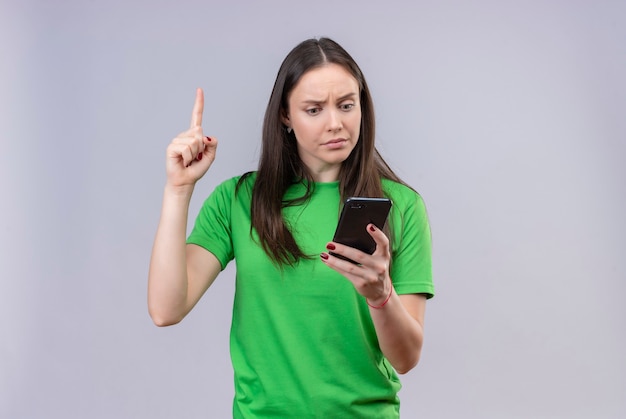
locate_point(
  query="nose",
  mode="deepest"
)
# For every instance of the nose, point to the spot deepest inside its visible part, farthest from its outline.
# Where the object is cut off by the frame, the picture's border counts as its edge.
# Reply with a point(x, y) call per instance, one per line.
point(334, 120)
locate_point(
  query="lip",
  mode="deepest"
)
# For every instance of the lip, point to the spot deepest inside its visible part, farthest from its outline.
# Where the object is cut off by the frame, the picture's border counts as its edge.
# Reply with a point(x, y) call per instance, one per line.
point(335, 141)
point(335, 144)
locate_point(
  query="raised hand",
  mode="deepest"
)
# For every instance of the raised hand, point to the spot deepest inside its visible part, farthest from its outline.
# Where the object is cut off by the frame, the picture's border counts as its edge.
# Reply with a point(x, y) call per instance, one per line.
point(191, 153)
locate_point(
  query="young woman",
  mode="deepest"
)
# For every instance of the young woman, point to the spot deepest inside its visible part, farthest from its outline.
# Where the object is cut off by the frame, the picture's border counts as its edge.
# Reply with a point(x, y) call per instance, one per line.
point(312, 335)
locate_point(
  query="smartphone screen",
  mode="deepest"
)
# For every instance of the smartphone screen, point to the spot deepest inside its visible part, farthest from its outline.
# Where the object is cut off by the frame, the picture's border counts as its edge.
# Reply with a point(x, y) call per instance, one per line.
point(356, 214)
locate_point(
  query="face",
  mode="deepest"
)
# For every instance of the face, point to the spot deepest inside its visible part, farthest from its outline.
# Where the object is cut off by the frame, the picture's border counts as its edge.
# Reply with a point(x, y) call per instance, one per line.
point(325, 115)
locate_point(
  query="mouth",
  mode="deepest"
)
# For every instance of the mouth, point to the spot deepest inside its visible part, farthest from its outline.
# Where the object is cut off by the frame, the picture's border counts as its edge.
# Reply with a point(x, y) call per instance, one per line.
point(335, 141)
point(335, 144)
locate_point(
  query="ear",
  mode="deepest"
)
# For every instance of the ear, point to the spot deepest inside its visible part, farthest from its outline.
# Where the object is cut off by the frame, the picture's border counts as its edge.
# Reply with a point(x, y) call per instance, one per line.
point(284, 118)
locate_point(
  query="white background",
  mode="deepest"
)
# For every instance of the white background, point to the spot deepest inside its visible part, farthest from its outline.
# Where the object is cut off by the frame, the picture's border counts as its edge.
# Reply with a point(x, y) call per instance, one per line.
point(508, 116)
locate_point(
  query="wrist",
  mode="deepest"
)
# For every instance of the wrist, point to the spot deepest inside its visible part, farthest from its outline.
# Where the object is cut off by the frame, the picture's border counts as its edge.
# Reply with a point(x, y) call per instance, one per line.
point(380, 303)
point(178, 191)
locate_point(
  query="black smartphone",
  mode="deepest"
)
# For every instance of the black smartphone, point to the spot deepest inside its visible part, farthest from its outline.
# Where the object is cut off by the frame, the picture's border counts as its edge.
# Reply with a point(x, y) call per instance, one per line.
point(356, 214)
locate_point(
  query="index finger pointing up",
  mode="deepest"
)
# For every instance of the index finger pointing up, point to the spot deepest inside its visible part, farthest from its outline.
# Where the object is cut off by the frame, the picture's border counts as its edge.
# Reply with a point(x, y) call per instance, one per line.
point(198, 108)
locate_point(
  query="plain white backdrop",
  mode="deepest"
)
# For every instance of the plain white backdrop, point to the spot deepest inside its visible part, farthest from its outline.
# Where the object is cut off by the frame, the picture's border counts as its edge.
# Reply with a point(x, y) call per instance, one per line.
point(508, 116)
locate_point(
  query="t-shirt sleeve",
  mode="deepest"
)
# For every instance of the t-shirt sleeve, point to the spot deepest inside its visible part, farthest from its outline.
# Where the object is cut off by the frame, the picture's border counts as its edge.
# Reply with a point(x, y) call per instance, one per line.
point(411, 264)
point(212, 229)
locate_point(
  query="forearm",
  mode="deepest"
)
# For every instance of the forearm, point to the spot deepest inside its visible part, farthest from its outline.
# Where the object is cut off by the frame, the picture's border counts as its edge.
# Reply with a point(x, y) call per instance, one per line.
point(167, 279)
point(400, 335)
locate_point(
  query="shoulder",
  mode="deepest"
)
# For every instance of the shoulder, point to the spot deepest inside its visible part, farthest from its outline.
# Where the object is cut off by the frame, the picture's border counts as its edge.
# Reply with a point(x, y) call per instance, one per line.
point(232, 185)
point(401, 194)
point(237, 188)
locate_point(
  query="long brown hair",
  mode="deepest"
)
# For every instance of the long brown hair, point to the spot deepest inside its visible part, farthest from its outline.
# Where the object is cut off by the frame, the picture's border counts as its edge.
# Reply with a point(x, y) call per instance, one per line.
point(280, 165)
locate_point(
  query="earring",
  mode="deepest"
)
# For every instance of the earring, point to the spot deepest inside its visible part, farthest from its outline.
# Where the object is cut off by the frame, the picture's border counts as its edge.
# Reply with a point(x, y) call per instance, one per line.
point(289, 129)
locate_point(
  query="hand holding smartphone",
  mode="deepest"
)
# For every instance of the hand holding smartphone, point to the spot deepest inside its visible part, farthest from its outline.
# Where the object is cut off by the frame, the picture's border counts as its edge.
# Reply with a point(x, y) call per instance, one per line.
point(356, 214)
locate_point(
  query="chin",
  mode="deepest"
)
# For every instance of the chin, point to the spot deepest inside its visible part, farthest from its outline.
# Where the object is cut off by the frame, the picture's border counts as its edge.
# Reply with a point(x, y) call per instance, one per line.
point(338, 159)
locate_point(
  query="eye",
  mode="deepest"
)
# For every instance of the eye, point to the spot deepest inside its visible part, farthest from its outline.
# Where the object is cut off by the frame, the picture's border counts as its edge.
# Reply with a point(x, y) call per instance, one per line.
point(313, 111)
point(346, 106)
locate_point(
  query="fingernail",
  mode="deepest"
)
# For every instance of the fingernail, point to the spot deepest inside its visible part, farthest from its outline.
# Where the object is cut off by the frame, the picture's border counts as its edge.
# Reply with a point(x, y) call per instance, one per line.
point(324, 256)
point(372, 228)
point(330, 246)
point(208, 138)
point(199, 156)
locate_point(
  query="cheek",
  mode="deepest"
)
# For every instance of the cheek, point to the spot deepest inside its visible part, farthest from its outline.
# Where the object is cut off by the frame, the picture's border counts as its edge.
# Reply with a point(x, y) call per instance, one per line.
point(355, 122)
point(308, 127)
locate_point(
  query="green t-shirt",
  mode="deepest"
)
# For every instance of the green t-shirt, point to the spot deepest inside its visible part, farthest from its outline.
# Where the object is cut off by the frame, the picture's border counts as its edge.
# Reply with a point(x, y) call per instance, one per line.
point(303, 344)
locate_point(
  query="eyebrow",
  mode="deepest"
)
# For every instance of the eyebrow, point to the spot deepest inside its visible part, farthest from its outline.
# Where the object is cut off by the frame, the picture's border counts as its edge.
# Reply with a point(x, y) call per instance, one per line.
point(340, 99)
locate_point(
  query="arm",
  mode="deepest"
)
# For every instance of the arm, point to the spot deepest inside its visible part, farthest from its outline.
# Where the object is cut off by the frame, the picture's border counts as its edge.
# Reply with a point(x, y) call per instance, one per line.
point(400, 328)
point(399, 322)
point(179, 273)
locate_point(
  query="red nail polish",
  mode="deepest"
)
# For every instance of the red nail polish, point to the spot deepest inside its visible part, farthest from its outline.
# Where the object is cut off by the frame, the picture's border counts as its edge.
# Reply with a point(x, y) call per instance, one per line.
point(324, 256)
point(372, 228)
point(330, 246)
point(199, 157)
point(208, 138)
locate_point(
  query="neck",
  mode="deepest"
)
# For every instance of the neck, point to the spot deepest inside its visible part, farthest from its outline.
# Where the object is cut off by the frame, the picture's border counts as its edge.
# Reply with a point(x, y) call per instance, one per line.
point(326, 175)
